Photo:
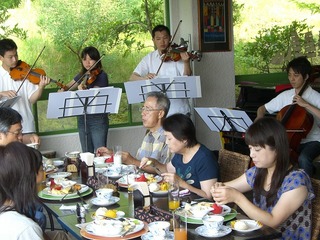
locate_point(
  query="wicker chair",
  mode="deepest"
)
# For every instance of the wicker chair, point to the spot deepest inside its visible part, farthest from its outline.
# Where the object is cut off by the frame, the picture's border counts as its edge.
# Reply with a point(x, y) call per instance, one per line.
point(316, 210)
point(232, 164)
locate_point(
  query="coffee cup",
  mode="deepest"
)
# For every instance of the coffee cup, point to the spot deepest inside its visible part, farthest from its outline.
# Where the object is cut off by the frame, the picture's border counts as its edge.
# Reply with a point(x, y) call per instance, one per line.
point(104, 193)
point(213, 223)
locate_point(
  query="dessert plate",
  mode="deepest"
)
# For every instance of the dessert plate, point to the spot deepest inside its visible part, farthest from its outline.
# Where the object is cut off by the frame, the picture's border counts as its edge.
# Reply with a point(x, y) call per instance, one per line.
point(251, 224)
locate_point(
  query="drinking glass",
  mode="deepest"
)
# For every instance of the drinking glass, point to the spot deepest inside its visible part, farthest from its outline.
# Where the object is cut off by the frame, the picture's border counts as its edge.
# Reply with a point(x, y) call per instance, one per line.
point(117, 152)
point(180, 228)
point(173, 196)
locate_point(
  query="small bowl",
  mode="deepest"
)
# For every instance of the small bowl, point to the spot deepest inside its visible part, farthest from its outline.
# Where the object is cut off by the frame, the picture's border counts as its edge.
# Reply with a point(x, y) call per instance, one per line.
point(74, 154)
point(99, 160)
point(57, 163)
point(200, 211)
point(159, 228)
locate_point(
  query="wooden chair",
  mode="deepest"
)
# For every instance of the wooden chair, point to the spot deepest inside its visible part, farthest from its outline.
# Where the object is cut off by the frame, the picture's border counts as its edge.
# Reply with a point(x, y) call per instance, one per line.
point(316, 210)
point(232, 164)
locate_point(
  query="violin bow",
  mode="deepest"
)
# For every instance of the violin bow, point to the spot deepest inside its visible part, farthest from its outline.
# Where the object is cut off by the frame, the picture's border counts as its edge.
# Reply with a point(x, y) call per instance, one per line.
point(88, 71)
point(169, 45)
point(30, 69)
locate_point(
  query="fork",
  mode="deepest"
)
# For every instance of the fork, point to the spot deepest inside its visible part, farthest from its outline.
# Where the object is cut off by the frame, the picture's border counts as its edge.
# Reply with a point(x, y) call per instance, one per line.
point(129, 230)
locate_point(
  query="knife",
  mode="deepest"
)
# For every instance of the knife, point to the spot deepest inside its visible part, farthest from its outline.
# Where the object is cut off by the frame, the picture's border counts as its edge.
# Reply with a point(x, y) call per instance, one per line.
point(79, 194)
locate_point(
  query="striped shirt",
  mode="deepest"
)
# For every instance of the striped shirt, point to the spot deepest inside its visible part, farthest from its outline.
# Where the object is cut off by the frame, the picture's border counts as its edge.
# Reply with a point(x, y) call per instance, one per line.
point(154, 146)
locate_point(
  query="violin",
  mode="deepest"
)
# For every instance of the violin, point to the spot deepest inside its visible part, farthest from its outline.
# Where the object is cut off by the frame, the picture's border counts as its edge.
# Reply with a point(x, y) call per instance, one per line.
point(19, 72)
point(174, 53)
point(93, 76)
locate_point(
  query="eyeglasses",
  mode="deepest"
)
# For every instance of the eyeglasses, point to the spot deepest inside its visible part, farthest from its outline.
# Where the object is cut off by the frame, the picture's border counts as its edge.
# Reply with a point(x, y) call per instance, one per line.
point(148, 110)
point(17, 133)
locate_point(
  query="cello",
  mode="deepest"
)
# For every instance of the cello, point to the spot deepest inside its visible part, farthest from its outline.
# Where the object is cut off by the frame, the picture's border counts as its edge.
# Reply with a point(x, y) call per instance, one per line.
point(298, 122)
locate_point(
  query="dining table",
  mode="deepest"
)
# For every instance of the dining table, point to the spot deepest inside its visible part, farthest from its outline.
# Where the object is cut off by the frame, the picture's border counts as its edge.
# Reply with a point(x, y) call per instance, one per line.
point(69, 222)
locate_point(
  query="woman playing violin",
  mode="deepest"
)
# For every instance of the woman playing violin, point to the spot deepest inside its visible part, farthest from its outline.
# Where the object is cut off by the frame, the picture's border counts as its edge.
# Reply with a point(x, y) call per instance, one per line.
point(299, 71)
point(28, 92)
point(149, 66)
point(97, 124)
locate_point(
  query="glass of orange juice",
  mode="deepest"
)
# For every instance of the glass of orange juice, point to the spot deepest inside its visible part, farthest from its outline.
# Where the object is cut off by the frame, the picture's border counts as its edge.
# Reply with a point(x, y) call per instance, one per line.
point(180, 229)
point(173, 196)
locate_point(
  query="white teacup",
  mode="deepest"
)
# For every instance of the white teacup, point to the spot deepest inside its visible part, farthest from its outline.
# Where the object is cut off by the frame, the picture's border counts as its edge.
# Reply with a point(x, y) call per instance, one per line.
point(104, 193)
point(213, 223)
point(159, 229)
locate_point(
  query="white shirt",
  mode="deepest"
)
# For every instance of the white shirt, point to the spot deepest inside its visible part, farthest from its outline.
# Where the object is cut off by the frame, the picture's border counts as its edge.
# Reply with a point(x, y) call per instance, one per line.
point(15, 226)
point(23, 105)
point(151, 63)
point(285, 98)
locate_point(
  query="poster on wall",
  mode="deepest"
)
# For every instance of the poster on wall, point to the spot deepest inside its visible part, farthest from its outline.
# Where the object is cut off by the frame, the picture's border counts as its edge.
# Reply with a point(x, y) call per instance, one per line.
point(214, 29)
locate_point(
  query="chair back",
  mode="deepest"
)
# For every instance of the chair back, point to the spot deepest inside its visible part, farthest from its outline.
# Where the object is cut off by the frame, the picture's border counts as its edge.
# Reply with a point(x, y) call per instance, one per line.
point(316, 210)
point(232, 164)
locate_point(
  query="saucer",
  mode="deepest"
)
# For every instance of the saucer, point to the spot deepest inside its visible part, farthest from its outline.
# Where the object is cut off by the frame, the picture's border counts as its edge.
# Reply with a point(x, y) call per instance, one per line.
point(203, 231)
point(149, 236)
point(101, 202)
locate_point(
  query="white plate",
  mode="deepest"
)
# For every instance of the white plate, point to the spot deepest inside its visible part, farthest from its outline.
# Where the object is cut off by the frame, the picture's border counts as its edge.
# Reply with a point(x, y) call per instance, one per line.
point(101, 202)
point(203, 231)
point(50, 168)
point(225, 210)
point(47, 191)
point(252, 225)
point(139, 226)
point(125, 169)
point(149, 236)
point(123, 180)
point(59, 175)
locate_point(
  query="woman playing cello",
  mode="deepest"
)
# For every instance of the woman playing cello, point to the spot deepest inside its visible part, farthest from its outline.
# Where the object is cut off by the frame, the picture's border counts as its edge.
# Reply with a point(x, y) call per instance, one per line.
point(299, 71)
point(97, 124)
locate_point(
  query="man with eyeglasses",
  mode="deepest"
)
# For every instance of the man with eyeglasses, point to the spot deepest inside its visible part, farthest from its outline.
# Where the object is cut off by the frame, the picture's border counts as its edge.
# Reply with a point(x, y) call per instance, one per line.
point(10, 126)
point(28, 92)
point(153, 112)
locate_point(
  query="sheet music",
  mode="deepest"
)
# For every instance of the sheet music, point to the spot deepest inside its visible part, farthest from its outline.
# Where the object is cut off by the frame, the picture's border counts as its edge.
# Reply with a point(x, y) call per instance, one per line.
point(72, 103)
point(9, 102)
point(216, 121)
point(182, 87)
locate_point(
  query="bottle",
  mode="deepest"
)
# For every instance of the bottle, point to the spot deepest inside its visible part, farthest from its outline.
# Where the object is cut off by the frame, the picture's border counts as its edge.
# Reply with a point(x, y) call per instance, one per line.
point(82, 214)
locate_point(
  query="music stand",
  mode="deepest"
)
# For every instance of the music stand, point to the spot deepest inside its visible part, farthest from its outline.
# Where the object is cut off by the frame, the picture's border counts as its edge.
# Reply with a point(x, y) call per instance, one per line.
point(182, 87)
point(9, 102)
point(225, 120)
point(83, 102)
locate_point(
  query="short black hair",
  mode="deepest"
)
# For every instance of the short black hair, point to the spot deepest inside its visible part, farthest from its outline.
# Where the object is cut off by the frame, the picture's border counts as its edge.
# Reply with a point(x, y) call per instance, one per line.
point(160, 28)
point(7, 45)
point(300, 65)
point(182, 128)
point(8, 117)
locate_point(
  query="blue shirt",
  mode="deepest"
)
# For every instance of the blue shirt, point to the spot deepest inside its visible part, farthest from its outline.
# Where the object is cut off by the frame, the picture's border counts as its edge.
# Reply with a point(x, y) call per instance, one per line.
point(203, 166)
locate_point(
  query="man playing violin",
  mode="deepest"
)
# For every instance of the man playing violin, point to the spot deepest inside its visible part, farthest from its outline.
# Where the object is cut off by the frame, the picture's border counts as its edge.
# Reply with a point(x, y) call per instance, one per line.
point(28, 91)
point(149, 66)
point(91, 75)
point(299, 71)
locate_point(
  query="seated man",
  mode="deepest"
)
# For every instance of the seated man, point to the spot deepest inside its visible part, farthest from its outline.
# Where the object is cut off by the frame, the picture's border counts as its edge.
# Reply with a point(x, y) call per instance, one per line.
point(154, 145)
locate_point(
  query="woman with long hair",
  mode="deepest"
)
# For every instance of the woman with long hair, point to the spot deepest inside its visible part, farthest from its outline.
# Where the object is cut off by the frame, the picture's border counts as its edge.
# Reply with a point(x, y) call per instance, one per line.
point(93, 130)
point(282, 193)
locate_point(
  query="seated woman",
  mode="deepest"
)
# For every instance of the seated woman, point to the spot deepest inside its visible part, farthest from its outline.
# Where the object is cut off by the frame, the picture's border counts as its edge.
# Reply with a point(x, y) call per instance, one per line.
point(282, 194)
point(18, 194)
point(194, 166)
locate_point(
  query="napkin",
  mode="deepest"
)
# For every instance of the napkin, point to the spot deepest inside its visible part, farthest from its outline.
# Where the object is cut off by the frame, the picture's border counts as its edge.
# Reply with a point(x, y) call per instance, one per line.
point(144, 190)
point(88, 157)
point(68, 208)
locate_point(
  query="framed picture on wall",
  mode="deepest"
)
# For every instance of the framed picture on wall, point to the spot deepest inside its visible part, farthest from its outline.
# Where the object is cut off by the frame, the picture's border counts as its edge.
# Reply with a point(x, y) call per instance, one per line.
point(214, 25)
